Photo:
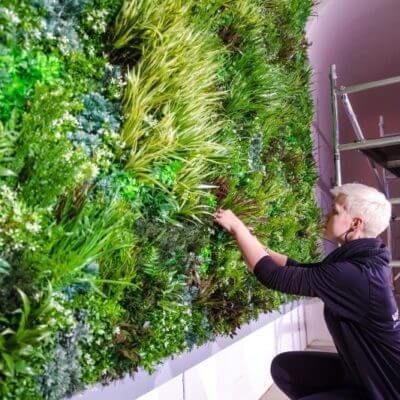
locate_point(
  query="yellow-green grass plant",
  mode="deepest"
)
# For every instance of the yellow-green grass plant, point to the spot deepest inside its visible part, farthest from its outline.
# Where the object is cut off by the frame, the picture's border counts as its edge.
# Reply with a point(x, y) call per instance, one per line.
point(171, 102)
point(8, 136)
point(76, 242)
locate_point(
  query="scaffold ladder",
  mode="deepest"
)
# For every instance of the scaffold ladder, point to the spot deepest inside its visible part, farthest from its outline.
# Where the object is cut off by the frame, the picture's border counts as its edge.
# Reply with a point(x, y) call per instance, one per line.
point(384, 150)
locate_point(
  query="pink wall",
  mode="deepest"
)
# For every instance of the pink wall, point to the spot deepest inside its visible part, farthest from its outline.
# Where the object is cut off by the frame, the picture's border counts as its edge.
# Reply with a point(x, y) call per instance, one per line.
point(362, 37)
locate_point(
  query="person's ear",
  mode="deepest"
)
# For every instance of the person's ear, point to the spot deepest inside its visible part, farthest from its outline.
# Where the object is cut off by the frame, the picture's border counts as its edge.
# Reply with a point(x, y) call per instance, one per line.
point(356, 223)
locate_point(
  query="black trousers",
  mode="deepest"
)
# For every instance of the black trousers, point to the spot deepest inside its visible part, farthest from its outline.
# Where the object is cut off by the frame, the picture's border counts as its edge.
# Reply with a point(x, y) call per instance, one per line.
point(314, 375)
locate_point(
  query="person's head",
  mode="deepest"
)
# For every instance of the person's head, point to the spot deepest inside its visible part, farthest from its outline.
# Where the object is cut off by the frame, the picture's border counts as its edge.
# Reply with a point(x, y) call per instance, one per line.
point(358, 211)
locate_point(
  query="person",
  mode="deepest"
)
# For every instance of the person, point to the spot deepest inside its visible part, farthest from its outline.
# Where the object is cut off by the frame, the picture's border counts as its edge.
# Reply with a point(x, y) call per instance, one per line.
point(354, 283)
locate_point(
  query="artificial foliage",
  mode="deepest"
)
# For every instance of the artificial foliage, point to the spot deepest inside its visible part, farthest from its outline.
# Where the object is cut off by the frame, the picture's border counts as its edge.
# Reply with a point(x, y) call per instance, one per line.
point(123, 126)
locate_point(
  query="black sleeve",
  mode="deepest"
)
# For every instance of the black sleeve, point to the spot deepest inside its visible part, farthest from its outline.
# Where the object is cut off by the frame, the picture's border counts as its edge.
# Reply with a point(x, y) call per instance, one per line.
point(295, 263)
point(342, 286)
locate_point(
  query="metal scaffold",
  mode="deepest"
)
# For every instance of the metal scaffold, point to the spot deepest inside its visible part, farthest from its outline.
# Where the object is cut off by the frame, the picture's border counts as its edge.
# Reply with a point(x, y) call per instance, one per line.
point(384, 151)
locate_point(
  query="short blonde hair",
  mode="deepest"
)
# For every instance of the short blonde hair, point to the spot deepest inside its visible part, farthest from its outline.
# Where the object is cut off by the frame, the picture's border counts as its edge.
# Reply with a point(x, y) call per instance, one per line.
point(367, 203)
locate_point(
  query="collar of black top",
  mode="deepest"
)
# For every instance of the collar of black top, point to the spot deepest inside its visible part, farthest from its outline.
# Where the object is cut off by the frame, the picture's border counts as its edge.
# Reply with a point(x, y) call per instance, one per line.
point(360, 248)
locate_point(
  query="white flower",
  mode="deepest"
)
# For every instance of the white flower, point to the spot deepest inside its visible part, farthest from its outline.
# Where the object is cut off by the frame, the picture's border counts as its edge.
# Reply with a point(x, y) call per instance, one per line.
point(50, 36)
point(43, 24)
point(17, 246)
point(91, 51)
point(88, 359)
point(33, 227)
point(150, 120)
point(68, 155)
point(36, 33)
point(94, 170)
point(10, 15)
point(117, 330)
point(57, 306)
point(146, 325)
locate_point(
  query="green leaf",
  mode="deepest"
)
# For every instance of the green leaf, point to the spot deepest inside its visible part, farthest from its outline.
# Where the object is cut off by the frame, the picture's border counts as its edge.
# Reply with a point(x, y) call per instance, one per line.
point(9, 364)
point(4, 267)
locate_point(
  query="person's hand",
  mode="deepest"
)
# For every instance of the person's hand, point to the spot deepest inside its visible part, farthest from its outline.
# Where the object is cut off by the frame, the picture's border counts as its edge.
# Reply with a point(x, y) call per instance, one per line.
point(228, 220)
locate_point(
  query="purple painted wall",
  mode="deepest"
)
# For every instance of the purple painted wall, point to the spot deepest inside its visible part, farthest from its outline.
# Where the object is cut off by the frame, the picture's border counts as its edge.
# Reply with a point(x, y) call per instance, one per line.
point(362, 37)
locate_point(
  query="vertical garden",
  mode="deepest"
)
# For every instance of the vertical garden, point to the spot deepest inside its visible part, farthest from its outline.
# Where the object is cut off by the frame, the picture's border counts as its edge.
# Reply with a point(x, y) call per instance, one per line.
point(123, 126)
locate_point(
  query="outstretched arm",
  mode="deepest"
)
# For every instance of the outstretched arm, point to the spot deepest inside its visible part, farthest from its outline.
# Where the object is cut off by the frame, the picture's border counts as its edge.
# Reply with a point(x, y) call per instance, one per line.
point(252, 250)
point(342, 286)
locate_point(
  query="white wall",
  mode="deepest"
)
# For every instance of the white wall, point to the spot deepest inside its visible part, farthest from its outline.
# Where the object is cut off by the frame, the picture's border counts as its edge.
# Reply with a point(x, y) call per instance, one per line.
point(315, 322)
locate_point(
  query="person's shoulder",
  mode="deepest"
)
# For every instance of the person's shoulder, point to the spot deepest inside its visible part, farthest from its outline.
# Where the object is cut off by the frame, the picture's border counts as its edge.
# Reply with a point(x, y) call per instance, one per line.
point(346, 270)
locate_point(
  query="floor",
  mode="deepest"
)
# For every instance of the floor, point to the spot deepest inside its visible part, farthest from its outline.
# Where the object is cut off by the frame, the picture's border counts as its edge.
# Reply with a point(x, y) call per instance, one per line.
point(273, 393)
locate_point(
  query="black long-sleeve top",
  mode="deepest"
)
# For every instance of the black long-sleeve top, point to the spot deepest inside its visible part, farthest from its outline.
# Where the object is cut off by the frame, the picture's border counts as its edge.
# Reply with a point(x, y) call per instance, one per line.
point(354, 283)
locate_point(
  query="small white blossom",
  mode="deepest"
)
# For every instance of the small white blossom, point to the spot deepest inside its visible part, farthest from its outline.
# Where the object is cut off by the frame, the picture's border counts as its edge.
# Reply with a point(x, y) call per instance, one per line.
point(68, 155)
point(117, 330)
point(146, 325)
point(150, 120)
point(10, 15)
point(50, 36)
point(33, 227)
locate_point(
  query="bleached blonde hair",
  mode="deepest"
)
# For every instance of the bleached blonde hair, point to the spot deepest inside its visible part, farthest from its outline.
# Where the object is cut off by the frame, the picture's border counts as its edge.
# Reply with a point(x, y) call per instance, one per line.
point(367, 203)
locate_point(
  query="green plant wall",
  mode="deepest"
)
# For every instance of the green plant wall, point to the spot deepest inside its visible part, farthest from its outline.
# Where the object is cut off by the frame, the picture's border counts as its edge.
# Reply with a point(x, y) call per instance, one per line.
point(123, 126)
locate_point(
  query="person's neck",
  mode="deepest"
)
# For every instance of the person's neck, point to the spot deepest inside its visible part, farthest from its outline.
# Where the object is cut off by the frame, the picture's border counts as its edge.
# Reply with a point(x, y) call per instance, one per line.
point(341, 241)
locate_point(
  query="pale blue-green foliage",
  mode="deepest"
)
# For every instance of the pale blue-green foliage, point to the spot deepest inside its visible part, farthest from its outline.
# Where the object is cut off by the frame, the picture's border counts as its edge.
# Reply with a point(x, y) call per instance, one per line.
point(255, 151)
point(61, 20)
point(62, 8)
point(99, 115)
point(91, 269)
point(62, 373)
point(99, 111)
point(199, 330)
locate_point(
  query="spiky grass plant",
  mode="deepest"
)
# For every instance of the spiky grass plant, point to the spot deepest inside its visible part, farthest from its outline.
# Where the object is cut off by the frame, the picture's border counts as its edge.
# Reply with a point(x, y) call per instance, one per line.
point(75, 242)
point(16, 344)
point(171, 103)
point(8, 137)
